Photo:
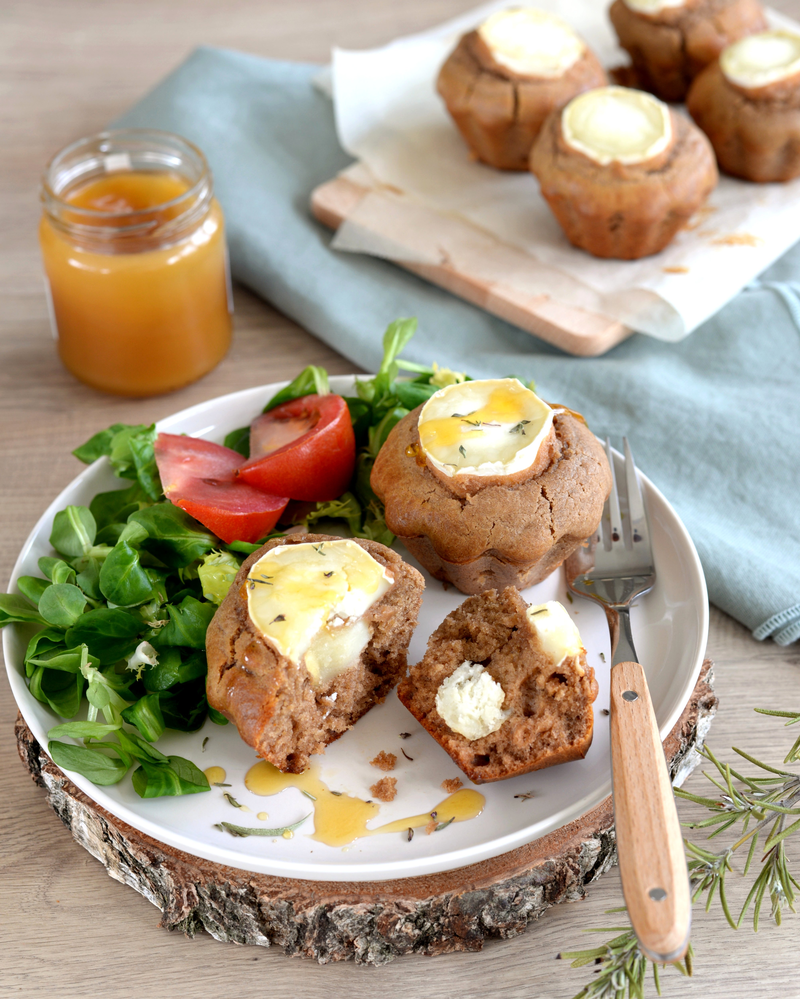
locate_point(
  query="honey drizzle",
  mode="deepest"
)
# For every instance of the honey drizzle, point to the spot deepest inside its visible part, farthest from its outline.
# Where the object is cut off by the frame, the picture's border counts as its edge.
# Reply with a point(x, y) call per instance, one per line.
point(416, 452)
point(341, 818)
point(215, 775)
point(503, 406)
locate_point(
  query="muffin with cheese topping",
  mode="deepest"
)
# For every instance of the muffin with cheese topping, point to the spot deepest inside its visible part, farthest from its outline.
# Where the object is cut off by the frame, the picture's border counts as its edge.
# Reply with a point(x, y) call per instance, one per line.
point(488, 486)
point(502, 80)
point(622, 172)
point(748, 104)
point(504, 688)
point(312, 633)
point(671, 41)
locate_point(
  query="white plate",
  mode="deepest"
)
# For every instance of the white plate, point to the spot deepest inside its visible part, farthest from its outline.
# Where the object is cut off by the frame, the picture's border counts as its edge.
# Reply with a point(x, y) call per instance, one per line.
point(670, 626)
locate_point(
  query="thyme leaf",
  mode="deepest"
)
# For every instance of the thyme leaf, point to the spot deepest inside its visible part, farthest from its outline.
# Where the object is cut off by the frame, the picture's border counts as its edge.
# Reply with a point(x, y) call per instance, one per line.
point(232, 801)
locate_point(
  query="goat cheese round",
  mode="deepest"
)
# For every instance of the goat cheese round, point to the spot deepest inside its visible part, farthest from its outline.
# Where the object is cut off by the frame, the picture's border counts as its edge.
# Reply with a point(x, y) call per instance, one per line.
point(760, 59)
point(309, 601)
point(493, 426)
point(471, 702)
point(616, 124)
point(531, 42)
point(558, 635)
point(652, 6)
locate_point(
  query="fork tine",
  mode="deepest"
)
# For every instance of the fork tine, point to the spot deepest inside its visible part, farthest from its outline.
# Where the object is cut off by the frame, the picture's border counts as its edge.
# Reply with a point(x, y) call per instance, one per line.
point(615, 525)
point(636, 509)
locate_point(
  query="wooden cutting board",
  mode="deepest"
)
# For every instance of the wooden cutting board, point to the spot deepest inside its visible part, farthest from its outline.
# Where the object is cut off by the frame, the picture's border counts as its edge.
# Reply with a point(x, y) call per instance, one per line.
point(574, 330)
point(371, 922)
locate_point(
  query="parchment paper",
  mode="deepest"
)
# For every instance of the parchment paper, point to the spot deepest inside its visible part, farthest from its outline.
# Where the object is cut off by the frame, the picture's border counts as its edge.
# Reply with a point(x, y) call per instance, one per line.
point(434, 204)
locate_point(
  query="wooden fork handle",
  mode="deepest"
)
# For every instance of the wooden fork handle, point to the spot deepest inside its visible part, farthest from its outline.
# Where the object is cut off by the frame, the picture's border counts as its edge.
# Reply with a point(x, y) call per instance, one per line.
point(652, 861)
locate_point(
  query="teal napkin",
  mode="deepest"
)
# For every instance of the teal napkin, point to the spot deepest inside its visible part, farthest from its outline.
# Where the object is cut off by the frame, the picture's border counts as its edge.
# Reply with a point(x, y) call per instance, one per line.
point(713, 420)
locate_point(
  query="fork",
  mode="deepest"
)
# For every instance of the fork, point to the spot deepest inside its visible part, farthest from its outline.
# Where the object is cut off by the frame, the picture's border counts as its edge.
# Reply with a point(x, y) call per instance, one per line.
point(614, 567)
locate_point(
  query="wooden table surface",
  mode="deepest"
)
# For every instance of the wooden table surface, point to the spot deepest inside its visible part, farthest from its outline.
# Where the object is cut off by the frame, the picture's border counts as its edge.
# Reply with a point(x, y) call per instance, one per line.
point(67, 68)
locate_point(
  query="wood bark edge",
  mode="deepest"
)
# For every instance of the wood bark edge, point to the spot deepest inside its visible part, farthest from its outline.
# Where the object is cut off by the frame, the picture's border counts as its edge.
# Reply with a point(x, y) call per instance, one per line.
point(370, 922)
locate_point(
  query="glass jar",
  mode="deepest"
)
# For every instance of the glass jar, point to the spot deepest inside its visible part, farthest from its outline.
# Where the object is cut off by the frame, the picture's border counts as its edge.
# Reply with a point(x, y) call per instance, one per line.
point(133, 243)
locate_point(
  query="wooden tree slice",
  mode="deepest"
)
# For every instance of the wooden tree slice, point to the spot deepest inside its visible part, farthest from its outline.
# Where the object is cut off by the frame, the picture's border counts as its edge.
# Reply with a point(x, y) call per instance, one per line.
point(372, 922)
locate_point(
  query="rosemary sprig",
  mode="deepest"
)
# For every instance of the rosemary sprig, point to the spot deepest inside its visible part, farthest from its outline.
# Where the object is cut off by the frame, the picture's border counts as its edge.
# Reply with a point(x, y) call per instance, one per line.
point(793, 756)
point(756, 807)
point(623, 968)
point(258, 831)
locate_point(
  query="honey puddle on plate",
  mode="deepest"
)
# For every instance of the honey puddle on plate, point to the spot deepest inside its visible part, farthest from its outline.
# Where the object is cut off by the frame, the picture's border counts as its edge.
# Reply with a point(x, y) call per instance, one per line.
point(215, 775)
point(340, 818)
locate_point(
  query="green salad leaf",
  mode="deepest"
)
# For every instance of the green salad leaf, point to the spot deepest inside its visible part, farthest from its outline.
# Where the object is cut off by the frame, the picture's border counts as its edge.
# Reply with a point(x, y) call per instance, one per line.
point(122, 606)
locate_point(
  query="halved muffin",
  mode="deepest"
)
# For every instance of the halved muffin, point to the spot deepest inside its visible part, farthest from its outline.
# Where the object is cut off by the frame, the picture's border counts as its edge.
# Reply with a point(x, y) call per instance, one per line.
point(502, 80)
point(748, 104)
point(313, 633)
point(622, 172)
point(504, 688)
point(488, 486)
point(671, 41)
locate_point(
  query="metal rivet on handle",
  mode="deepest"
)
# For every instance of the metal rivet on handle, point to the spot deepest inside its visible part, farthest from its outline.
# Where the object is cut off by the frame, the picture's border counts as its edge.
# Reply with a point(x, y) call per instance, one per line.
point(657, 894)
point(630, 695)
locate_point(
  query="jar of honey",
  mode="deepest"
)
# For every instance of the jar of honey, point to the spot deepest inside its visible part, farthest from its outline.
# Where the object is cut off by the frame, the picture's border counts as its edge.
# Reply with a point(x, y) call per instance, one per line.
point(133, 243)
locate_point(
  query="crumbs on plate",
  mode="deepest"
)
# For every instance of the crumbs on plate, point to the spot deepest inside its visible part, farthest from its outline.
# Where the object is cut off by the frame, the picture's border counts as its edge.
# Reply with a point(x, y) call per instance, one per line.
point(385, 789)
point(384, 761)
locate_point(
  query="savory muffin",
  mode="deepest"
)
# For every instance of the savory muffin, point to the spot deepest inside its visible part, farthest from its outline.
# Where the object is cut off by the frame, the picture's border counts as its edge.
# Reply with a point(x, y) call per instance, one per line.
point(502, 80)
point(671, 41)
point(313, 633)
point(748, 104)
point(622, 172)
point(488, 486)
point(504, 688)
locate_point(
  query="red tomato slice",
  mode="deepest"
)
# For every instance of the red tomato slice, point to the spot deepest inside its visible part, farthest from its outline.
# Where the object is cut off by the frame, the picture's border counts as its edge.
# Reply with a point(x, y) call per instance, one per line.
point(200, 478)
point(305, 449)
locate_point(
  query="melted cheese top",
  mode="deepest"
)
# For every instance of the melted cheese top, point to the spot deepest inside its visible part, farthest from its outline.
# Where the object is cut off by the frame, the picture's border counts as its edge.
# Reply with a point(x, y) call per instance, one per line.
point(652, 6)
point(760, 59)
point(531, 42)
point(557, 632)
point(490, 427)
point(309, 599)
point(616, 124)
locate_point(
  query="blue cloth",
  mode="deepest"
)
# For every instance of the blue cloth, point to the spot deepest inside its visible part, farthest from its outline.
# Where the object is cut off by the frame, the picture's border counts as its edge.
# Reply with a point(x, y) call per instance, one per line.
point(713, 420)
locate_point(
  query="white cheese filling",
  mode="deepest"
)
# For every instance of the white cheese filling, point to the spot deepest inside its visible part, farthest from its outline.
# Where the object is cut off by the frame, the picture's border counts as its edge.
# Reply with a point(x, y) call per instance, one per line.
point(758, 60)
point(471, 702)
point(493, 426)
point(558, 635)
point(616, 124)
point(531, 42)
point(652, 6)
point(309, 600)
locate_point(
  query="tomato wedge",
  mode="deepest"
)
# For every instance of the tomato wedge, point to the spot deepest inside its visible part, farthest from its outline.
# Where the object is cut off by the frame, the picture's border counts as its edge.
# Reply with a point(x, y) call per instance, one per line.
point(200, 478)
point(305, 449)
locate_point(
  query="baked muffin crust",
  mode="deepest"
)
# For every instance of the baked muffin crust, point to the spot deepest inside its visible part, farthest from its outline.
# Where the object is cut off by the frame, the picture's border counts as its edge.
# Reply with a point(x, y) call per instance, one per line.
point(494, 533)
point(274, 702)
point(624, 210)
point(669, 47)
point(755, 131)
point(498, 110)
point(547, 715)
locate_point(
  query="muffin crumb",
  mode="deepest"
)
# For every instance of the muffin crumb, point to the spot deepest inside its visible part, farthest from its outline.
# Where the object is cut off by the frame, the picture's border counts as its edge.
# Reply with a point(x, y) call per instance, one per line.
point(452, 785)
point(385, 789)
point(384, 761)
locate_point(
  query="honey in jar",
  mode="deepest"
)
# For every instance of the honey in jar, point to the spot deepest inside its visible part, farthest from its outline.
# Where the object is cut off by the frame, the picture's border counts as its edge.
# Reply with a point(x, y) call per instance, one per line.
point(133, 244)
